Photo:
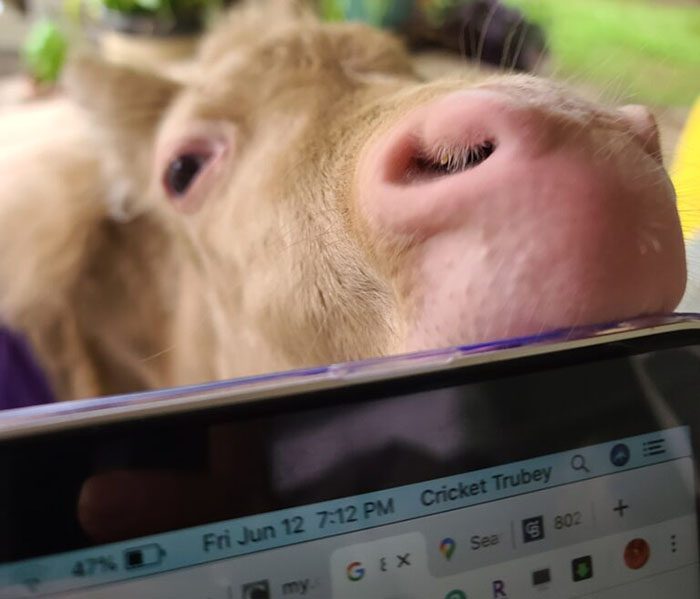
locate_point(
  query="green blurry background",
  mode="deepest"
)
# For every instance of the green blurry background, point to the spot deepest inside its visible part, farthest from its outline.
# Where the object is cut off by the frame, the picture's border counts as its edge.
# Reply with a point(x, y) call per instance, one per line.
point(642, 49)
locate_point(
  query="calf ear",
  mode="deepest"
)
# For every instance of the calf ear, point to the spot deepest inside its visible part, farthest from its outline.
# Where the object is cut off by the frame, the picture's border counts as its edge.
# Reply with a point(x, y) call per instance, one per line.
point(126, 106)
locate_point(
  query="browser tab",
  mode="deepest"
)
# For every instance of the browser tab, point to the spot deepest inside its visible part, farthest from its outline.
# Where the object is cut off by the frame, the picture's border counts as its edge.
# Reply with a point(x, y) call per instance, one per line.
point(391, 567)
point(479, 537)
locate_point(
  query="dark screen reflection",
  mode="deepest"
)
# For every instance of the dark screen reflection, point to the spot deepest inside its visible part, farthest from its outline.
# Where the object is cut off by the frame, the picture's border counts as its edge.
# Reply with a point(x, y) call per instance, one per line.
point(117, 482)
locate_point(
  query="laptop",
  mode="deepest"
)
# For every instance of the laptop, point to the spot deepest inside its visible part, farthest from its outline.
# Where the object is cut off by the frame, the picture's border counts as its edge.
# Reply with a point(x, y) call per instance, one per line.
point(560, 465)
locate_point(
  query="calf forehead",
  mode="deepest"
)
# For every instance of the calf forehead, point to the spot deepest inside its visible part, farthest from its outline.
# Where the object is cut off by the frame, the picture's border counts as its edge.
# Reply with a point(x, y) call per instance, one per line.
point(258, 62)
point(294, 56)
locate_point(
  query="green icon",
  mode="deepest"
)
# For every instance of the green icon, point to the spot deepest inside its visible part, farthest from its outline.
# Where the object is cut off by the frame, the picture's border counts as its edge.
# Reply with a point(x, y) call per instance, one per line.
point(582, 568)
point(456, 594)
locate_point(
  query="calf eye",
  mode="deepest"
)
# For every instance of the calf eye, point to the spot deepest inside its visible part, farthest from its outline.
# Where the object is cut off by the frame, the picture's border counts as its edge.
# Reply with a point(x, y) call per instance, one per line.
point(182, 171)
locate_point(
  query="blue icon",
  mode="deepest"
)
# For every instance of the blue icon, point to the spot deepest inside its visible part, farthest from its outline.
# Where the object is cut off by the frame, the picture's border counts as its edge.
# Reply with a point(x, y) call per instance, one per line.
point(620, 455)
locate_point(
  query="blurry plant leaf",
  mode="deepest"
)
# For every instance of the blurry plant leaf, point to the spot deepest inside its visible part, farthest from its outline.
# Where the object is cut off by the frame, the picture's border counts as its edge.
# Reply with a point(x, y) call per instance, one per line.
point(152, 5)
point(160, 7)
point(331, 10)
point(44, 51)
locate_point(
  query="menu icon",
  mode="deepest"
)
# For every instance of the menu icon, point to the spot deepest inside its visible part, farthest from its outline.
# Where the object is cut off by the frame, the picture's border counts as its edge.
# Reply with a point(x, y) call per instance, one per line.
point(533, 529)
point(653, 447)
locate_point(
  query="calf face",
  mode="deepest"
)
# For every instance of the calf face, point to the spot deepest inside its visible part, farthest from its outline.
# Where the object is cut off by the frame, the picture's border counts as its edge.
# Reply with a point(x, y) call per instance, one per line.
point(314, 201)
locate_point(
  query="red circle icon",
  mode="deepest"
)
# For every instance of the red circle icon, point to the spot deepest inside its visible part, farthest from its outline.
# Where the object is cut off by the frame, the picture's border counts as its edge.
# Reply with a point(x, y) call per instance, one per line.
point(637, 553)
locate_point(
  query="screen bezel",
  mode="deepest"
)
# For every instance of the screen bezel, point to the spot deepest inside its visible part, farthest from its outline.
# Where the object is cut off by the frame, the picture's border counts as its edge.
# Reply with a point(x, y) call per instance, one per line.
point(273, 391)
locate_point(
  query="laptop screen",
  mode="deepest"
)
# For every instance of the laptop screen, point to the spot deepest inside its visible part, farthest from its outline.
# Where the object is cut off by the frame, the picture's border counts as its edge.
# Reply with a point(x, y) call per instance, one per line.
point(556, 476)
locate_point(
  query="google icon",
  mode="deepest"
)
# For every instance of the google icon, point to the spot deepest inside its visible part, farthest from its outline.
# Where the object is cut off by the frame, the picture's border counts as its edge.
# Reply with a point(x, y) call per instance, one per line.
point(355, 571)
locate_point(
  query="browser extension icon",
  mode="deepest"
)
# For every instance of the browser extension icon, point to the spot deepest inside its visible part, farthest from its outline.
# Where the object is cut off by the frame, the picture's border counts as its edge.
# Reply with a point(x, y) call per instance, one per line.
point(582, 568)
point(541, 577)
point(533, 529)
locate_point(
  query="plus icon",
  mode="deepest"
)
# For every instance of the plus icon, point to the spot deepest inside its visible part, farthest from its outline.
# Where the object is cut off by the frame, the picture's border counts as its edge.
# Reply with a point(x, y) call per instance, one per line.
point(621, 507)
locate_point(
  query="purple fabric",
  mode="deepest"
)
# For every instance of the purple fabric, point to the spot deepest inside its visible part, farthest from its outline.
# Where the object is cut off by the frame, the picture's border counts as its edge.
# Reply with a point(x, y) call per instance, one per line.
point(22, 382)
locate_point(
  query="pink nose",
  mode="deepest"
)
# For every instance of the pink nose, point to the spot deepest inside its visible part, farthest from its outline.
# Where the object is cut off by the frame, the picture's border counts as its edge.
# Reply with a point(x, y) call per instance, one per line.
point(522, 216)
point(449, 150)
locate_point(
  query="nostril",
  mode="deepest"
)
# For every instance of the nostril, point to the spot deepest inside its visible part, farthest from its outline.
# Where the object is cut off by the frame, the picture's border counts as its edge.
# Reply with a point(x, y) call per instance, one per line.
point(446, 160)
point(449, 136)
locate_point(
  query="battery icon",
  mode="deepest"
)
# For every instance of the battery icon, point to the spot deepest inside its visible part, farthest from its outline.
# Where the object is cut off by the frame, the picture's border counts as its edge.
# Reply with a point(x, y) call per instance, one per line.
point(144, 555)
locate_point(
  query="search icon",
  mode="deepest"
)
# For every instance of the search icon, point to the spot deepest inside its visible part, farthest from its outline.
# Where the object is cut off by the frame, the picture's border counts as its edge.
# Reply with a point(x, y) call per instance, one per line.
point(578, 462)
